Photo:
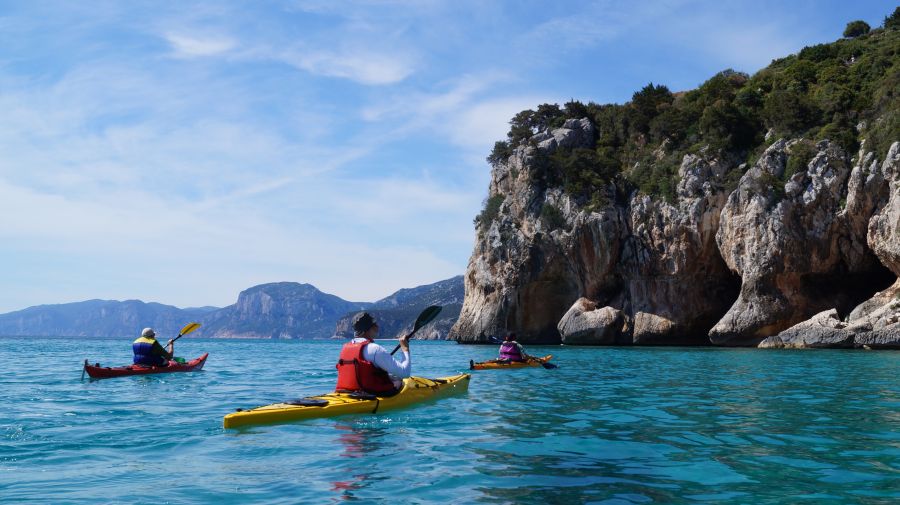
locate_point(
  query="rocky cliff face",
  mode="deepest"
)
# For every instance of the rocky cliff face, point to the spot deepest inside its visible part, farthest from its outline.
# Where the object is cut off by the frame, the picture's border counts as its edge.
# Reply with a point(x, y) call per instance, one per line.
point(807, 250)
point(737, 265)
point(873, 190)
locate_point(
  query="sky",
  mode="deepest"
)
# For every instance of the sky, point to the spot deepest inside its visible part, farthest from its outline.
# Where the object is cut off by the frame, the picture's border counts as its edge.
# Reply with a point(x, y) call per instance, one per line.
point(180, 152)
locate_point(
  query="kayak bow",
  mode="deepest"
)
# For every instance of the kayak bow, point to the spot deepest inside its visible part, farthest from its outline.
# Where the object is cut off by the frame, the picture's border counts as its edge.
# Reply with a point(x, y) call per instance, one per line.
point(96, 371)
point(414, 390)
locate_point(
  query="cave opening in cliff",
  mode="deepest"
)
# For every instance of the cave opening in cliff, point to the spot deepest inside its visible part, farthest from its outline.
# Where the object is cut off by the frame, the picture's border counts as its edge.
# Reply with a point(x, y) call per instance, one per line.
point(844, 290)
point(721, 291)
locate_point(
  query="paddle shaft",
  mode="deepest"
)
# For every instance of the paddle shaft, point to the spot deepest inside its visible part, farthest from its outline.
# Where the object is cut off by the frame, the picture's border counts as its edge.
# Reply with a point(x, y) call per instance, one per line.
point(407, 338)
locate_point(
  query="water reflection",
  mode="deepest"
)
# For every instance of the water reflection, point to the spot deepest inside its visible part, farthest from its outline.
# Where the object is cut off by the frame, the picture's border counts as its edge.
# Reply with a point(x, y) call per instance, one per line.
point(361, 443)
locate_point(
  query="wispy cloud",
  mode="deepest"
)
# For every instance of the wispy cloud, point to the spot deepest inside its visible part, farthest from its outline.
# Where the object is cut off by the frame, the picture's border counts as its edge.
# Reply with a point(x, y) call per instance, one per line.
point(236, 143)
point(362, 66)
point(192, 46)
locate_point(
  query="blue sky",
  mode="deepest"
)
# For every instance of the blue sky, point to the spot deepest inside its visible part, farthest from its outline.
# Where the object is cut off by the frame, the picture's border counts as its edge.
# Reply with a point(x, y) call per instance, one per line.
point(180, 152)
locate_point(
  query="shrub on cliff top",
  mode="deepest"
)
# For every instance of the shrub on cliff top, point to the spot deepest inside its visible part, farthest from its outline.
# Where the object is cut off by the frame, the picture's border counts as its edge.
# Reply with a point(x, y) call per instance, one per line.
point(823, 92)
point(501, 152)
point(892, 22)
point(856, 28)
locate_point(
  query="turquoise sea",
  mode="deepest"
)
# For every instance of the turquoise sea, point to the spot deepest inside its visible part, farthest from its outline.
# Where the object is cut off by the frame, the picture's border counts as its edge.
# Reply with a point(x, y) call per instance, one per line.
point(610, 425)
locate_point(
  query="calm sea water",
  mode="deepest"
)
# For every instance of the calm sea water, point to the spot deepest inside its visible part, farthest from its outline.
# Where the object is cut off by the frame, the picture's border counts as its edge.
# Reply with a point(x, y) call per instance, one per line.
point(611, 425)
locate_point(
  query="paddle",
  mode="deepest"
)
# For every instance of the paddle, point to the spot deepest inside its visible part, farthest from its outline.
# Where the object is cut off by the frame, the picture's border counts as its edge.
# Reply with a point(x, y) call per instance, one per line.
point(548, 366)
point(424, 318)
point(184, 331)
point(187, 329)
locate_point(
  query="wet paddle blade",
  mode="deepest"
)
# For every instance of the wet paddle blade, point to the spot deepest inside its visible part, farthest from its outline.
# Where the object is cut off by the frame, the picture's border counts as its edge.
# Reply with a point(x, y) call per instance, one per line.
point(426, 317)
point(188, 328)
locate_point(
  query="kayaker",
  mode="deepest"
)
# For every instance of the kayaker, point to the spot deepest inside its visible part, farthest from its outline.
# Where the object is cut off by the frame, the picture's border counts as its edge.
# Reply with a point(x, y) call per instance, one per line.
point(366, 366)
point(149, 352)
point(510, 350)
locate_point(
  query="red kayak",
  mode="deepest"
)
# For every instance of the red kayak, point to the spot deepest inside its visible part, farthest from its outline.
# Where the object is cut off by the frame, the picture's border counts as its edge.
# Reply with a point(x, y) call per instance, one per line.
point(104, 372)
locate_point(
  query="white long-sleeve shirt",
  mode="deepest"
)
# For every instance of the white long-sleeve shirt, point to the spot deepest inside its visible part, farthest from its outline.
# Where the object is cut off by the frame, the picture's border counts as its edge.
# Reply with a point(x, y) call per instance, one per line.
point(381, 358)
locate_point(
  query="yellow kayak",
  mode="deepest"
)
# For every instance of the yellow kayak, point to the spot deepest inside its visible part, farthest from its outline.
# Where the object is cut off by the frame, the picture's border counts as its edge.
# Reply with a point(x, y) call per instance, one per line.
point(414, 390)
point(489, 365)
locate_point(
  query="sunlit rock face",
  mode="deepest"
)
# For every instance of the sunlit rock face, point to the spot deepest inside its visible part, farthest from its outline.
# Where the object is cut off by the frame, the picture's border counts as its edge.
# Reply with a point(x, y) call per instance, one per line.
point(712, 266)
point(652, 268)
point(805, 249)
point(874, 191)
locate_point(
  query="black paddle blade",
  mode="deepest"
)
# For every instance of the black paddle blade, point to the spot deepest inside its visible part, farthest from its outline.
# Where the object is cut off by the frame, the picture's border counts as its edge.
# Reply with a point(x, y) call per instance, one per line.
point(549, 366)
point(427, 316)
point(424, 318)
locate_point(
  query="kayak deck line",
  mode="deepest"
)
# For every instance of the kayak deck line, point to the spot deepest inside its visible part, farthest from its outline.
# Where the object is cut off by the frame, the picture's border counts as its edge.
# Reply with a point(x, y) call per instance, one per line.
point(414, 390)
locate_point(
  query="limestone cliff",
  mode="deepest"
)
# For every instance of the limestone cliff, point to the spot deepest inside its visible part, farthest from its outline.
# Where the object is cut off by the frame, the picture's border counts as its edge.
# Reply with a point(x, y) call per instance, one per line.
point(804, 251)
point(721, 215)
point(738, 265)
point(653, 267)
point(874, 323)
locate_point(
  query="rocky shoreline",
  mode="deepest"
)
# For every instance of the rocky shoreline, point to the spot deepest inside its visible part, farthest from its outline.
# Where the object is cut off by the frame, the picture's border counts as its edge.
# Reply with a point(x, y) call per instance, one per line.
point(784, 260)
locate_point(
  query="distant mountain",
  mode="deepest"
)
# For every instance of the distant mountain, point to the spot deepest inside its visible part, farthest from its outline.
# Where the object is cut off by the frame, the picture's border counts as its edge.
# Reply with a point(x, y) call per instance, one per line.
point(276, 310)
point(98, 318)
point(397, 313)
point(279, 310)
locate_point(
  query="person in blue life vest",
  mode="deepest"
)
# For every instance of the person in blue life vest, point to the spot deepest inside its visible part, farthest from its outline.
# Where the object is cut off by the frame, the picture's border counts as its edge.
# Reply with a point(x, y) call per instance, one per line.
point(510, 350)
point(365, 366)
point(149, 352)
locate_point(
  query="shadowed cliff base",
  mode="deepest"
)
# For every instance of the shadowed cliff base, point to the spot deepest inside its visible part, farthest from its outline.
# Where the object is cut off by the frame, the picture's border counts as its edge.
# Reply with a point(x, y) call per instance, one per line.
point(844, 291)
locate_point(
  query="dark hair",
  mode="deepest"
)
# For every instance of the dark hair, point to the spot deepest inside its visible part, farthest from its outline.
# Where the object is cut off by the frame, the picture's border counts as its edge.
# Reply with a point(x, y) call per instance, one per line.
point(363, 323)
point(510, 337)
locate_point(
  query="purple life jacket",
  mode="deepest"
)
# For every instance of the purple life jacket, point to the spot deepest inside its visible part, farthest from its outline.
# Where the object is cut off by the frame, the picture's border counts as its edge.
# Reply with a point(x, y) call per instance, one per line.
point(510, 351)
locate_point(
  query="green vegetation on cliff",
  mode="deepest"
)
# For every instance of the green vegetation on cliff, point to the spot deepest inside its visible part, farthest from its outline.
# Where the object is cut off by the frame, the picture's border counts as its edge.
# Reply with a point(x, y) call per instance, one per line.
point(844, 91)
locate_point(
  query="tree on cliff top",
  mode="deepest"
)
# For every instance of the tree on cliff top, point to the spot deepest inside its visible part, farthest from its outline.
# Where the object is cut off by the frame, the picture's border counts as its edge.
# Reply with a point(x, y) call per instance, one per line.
point(892, 22)
point(856, 28)
point(843, 91)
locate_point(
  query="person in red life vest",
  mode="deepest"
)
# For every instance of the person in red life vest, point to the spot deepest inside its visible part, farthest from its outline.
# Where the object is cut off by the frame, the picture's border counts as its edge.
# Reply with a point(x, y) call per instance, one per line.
point(149, 352)
point(510, 350)
point(365, 366)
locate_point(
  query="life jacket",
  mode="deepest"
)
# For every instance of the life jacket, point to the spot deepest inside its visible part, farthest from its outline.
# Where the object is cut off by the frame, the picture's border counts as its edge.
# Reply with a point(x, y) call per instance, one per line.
point(356, 374)
point(143, 353)
point(510, 351)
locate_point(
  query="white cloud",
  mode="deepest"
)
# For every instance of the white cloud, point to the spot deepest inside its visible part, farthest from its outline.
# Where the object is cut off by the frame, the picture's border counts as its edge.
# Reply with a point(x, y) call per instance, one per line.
point(363, 66)
point(185, 256)
point(394, 201)
point(188, 46)
point(472, 114)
